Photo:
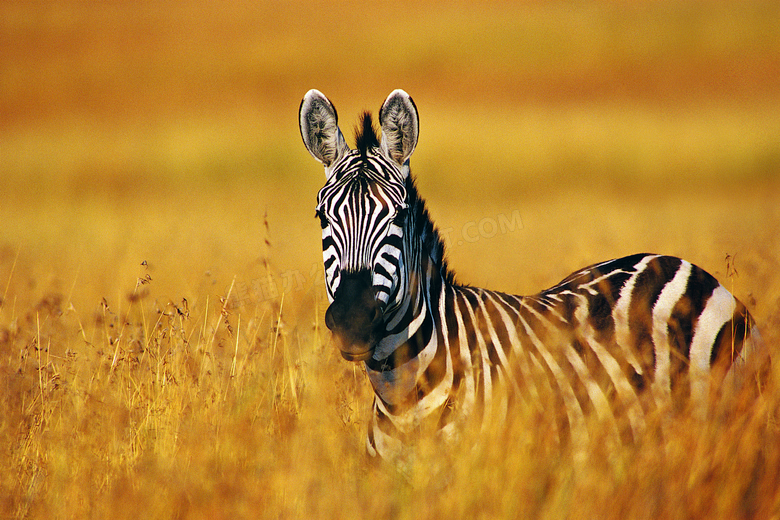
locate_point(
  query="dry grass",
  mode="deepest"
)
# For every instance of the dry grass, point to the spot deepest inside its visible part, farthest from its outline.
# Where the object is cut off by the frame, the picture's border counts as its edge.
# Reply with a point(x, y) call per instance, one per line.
point(161, 340)
point(215, 411)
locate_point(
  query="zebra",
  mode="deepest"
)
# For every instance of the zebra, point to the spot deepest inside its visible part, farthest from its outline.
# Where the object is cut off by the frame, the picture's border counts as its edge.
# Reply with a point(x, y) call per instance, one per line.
point(617, 339)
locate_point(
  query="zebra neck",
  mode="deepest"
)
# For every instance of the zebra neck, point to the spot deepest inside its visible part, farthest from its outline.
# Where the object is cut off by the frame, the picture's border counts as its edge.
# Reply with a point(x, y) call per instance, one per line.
point(424, 273)
point(411, 327)
point(410, 364)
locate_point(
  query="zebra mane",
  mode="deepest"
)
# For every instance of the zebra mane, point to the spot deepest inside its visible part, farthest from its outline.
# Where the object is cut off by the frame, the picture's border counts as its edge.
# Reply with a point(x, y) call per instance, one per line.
point(365, 134)
point(432, 243)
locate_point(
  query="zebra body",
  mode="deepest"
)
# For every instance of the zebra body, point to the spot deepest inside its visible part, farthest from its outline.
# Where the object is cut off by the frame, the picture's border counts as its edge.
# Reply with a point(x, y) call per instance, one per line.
point(617, 339)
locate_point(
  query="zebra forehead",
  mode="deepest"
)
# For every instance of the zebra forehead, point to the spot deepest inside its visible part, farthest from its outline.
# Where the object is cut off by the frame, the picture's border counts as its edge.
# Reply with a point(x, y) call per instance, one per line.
point(371, 165)
point(359, 184)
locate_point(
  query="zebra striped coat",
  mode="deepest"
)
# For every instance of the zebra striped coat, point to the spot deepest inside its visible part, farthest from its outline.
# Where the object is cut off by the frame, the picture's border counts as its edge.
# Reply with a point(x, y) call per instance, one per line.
point(617, 339)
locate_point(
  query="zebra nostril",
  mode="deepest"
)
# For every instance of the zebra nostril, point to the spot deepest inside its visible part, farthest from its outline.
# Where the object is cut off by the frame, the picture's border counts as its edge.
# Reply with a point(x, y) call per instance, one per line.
point(330, 322)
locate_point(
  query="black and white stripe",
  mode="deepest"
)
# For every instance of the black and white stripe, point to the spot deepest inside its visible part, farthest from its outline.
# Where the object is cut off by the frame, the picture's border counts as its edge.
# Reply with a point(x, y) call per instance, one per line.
point(616, 340)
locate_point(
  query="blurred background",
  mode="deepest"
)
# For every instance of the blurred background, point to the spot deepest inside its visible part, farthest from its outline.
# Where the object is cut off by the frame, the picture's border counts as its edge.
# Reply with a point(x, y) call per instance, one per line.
point(553, 135)
point(161, 300)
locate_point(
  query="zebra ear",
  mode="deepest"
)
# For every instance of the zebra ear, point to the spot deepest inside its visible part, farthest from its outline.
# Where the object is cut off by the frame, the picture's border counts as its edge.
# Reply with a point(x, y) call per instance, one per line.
point(400, 126)
point(319, 128)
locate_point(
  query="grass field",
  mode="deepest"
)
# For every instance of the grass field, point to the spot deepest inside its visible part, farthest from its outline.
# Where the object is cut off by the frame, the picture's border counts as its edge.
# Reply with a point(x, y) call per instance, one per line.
point(162, 345)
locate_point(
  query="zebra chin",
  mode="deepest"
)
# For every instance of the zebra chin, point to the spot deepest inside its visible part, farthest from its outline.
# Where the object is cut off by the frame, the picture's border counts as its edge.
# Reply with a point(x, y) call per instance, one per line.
point(353, 352)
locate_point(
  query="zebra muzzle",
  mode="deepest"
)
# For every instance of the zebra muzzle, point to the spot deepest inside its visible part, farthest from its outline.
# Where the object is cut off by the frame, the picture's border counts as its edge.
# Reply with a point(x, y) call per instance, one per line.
point(355, 317)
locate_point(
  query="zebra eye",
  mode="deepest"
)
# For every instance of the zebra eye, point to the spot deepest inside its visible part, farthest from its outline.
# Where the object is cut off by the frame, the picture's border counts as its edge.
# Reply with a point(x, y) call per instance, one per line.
point(323, 219)
point(400, 216)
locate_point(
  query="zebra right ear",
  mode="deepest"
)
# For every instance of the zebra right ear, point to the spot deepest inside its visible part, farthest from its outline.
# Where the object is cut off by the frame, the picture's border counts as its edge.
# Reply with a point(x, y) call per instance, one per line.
point(319, 128)
point(400, 126)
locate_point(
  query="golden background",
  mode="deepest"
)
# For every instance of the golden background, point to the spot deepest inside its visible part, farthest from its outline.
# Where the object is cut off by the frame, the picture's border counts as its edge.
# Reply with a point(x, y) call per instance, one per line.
point(161, 336)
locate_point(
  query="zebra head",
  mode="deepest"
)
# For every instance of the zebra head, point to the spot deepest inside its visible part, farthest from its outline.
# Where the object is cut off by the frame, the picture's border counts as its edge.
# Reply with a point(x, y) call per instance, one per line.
point(362, 209)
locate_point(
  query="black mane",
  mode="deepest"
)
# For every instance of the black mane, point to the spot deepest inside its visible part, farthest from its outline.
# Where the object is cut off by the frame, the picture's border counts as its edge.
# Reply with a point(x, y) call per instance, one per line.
point(432, 242)
point(365, 134)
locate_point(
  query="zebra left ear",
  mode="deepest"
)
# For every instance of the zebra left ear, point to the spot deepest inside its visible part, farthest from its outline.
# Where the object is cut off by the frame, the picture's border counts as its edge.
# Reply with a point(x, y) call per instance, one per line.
point(400, 126)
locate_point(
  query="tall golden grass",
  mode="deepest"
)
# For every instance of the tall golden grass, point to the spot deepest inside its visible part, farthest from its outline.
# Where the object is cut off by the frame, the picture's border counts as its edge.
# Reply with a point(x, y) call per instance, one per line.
point(162, 347)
